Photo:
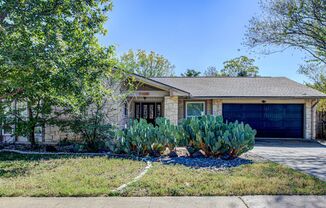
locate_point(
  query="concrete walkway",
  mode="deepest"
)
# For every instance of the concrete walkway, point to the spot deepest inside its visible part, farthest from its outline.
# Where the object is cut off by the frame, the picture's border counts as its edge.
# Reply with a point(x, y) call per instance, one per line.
point(166, 202)
point(306, 156)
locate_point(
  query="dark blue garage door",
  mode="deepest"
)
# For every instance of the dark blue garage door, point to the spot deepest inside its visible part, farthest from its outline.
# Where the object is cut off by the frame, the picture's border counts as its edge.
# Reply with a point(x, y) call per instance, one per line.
point(270, 120)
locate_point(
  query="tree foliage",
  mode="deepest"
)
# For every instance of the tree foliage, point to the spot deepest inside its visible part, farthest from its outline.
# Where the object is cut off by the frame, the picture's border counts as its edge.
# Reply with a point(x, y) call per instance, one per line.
point(50, 56)
point(299, 24)
point(147, 64)
point(240, 67)
point(212, 71)
point(191, 73)
point(316, 74)
point(291, 23)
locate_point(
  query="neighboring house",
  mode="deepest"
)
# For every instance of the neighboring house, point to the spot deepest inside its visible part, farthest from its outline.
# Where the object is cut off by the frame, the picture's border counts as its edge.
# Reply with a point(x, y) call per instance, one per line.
point(276, 107)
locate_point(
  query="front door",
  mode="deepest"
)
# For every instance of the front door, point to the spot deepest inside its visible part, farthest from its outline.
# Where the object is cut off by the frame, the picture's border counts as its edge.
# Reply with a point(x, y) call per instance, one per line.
point(148, 111)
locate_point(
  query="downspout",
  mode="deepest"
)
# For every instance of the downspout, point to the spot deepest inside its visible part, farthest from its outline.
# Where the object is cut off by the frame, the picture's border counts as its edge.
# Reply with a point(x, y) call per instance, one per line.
point(313, 120)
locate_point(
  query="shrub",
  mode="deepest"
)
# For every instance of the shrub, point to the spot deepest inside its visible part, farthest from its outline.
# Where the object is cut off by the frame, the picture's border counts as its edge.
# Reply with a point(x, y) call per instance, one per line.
point(92, 126)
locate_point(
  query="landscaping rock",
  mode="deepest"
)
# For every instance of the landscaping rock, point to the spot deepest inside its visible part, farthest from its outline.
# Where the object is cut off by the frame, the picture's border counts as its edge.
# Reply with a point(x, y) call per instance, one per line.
point(199, 154)
point(226, 157)
point(206, 163)
point(166, 152)
point(155, 153)
point(173, 154)
point(182, 152)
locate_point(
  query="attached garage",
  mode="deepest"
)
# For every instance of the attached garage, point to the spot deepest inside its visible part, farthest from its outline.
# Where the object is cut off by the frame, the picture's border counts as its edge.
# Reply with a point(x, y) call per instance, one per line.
point(270, 120)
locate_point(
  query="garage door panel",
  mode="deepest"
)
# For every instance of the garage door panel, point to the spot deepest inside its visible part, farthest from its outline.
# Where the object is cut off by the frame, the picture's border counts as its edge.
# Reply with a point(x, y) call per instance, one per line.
point(270, 120)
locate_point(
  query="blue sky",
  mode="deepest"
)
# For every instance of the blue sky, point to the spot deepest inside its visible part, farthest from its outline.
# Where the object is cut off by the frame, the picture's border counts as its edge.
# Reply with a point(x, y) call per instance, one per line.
point(193, 33)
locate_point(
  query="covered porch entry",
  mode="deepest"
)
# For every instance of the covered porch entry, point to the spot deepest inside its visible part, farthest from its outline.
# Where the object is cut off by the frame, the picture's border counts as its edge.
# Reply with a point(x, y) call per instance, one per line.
point(152, 99)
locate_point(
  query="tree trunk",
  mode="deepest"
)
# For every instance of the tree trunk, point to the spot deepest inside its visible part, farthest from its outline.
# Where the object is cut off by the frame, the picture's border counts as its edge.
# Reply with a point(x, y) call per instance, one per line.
point(15, 125)
point(1, 122)
point(1, 136)
point(31, 136)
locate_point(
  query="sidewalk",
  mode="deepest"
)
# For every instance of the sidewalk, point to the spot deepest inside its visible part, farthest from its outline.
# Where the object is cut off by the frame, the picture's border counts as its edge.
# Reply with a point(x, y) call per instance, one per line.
point(166, 202)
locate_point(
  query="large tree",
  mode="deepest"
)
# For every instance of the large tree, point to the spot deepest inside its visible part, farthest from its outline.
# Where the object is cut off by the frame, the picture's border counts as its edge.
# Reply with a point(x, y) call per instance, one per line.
point(191, 73)
point(240, 67)
point(299, 24)
point(147, 64)
point(50, 56)
point(291, 23)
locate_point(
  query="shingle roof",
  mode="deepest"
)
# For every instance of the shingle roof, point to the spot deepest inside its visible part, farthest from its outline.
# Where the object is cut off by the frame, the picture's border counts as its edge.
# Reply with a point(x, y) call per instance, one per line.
point(241, 87)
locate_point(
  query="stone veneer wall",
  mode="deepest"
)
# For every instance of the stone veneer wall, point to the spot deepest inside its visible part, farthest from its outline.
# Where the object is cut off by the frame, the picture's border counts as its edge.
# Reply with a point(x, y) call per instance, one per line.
point(181, 108)
point(209, 107)
point(314, 122)
point(216, 107)
point(309, 120)
point(171, 108)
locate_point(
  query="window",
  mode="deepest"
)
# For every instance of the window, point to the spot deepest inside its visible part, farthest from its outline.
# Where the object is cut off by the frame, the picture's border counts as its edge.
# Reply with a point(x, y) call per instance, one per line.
point(7, 130)
point(158, 110)
point(38, 130)
point(195, 109)
point(125, 109)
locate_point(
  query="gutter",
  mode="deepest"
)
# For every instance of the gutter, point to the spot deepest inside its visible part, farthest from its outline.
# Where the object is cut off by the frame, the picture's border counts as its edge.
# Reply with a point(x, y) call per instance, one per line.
point(260, 97)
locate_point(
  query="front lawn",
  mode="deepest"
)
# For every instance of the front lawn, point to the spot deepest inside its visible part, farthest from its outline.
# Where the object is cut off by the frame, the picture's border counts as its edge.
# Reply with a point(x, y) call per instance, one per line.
point(35, 175)
point(265, 178)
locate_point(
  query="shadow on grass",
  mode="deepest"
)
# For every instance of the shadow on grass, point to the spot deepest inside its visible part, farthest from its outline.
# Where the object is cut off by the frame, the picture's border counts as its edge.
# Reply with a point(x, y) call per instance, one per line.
point(15, 164)
point(10, 172)
point(11, 156)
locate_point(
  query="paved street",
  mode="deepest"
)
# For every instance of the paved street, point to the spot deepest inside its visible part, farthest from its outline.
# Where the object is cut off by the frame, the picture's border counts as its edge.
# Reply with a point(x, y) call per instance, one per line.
point(306, 156)
point(167, 202)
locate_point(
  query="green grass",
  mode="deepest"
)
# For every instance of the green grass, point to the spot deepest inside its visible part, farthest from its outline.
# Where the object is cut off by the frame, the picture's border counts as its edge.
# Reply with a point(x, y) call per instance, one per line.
point(44, 175)
point(35, 175)
point(253, 179)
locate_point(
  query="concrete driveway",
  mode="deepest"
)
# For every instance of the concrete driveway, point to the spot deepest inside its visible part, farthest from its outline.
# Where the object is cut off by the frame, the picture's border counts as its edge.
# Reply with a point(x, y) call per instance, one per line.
point(306, 156)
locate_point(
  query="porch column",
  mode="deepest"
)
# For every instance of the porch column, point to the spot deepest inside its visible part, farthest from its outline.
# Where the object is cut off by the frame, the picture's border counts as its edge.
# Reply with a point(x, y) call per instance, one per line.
point(217, 107)
point(171, 108)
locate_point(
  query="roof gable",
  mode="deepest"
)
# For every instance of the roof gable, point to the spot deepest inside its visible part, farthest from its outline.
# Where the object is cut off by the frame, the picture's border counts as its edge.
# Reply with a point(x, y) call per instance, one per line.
point(158, 85)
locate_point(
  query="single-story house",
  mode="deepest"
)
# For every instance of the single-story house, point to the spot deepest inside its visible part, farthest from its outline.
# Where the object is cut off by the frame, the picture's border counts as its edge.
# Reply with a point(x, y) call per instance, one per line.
point(276, 107)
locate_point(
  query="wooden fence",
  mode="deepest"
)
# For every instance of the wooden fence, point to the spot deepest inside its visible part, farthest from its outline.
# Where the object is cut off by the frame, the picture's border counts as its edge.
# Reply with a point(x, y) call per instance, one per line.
point(321, 125)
